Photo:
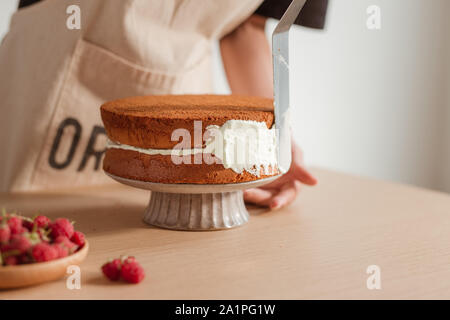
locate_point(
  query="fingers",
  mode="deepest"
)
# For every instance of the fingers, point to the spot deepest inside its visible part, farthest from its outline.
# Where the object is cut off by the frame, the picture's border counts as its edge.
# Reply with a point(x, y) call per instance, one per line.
point(259, 196)
point(298, 169)
point(286, 195)
point(288, 185)
point(271, 198)
point(302, 174)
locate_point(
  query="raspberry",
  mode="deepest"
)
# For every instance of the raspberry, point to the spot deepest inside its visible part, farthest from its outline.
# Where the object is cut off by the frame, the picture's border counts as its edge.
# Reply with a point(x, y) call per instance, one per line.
point(4, 247)
point(11, 261)
point(62, 227)
point(62, 250)
point(5, 233)
point(19, 242)
point(42, 221)
point(66, 243)
point(128, 259)
point(132, 272)
point(43, 234)
point(112, 269)
point(24, 258)
point(27, 224)
point(24, 240)
point(44, 252)
point(78, 238)
point(15, 225)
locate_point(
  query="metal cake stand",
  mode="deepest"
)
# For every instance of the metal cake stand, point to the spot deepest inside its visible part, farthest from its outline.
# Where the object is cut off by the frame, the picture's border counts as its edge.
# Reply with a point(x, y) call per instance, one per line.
point(195, 206)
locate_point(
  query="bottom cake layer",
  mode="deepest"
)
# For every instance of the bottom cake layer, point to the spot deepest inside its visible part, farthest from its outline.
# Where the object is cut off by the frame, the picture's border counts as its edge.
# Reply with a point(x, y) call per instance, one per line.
point(161, 169)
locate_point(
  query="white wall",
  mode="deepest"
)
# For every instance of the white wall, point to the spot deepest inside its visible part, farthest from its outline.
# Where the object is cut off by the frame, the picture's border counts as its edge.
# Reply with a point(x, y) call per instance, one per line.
point(7, 8)
point(374, 103)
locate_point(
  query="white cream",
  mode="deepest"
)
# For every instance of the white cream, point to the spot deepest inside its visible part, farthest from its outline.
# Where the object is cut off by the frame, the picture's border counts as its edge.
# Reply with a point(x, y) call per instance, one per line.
point(166, 152)
point(247, 145)
point(240, 145)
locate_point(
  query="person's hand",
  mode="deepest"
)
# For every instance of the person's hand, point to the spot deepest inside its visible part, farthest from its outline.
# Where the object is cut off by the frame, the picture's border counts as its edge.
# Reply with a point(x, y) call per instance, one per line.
point(282, 191)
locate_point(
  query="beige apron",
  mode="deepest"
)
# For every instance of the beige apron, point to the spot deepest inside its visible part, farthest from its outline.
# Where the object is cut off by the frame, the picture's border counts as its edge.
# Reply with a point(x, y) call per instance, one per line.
point(53, 80)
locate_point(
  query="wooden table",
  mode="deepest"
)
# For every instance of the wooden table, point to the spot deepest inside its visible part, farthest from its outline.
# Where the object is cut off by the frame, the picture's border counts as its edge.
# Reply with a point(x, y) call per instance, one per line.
point(320, 247)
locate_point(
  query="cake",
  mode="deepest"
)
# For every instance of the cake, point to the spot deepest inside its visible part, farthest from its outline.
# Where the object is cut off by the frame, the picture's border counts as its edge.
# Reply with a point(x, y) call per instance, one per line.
point(196, 139)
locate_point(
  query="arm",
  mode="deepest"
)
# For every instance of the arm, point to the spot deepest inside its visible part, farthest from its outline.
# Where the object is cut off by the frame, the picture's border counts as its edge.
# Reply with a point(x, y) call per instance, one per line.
point(247, 60)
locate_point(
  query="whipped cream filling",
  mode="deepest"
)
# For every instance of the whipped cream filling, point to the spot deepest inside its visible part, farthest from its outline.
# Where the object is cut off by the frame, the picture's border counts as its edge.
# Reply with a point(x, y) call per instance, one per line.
point(165, 152)
point(240, 145)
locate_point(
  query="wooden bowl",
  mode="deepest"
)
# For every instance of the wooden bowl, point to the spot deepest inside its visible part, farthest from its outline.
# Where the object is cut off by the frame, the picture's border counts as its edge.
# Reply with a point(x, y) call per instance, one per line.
point(35, 273)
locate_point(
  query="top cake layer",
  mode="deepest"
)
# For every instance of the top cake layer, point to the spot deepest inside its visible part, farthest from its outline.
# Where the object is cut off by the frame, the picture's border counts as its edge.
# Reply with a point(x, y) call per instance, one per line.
point(148, 121)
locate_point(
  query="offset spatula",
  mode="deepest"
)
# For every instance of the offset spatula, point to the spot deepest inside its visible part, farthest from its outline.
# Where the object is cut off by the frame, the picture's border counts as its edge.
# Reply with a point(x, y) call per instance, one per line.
point(280, 58)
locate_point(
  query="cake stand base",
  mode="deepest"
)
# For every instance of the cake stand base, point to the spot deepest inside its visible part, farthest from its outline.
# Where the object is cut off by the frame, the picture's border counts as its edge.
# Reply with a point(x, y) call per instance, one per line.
point(195, 206)
point(196, 211)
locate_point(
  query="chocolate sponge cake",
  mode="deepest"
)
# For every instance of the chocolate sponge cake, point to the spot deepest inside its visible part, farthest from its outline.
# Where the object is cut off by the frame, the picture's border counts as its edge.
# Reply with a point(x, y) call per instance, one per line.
point(142, 145)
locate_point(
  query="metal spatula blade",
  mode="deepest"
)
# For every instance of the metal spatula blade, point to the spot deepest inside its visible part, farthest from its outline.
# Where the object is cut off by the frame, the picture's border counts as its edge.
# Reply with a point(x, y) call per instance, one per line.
point(280, 58)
